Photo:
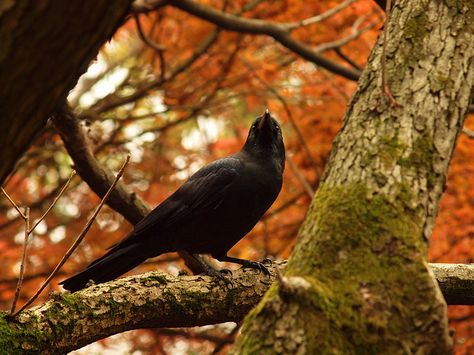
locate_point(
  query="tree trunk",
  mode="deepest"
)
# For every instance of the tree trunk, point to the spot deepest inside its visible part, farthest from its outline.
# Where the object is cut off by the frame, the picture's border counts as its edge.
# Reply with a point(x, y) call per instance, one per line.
point(357, 280)
point(44, 47)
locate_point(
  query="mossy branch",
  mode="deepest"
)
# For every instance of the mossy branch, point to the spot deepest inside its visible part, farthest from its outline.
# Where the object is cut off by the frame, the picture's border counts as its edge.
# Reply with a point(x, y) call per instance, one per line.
point(70, 321)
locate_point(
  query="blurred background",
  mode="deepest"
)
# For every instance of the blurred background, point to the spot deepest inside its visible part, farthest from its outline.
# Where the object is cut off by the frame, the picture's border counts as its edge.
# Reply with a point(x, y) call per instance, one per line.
point(176, 92)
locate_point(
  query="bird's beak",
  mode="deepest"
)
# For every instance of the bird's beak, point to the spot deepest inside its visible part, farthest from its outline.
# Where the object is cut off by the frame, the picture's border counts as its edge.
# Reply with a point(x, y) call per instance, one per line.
point(265, 119)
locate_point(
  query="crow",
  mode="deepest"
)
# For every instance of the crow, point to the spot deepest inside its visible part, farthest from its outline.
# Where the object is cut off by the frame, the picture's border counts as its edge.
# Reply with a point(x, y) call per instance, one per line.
point(208, 214)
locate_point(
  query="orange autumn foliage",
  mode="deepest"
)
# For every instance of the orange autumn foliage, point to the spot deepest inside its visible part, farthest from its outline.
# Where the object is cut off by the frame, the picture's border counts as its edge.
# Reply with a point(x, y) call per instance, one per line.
point(202, 113)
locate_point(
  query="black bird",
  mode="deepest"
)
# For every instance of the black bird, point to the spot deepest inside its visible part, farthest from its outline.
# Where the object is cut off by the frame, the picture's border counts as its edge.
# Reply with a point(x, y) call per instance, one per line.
point(208, 214)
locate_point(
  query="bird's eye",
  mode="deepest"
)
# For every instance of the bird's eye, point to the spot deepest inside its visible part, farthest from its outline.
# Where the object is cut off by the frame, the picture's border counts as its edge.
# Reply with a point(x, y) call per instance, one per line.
point(277, 127)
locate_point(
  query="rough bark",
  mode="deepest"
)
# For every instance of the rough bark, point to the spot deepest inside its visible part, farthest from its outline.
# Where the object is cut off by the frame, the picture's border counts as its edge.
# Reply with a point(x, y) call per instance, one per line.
point(96, 175)
point(456, 282)
point(357, 280)
point(69, 321)
point(44, 47)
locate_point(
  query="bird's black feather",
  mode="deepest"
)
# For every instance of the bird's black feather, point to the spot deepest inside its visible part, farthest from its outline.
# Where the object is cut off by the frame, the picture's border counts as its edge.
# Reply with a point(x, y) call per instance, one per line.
point(208, 214)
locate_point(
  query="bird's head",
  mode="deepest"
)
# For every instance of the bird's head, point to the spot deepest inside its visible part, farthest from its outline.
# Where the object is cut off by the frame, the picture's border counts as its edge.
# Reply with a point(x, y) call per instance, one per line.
point(265, 139)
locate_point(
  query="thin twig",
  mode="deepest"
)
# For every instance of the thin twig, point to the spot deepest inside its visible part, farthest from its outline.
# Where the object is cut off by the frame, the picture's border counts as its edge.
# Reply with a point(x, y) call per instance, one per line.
point(468, 132)
point(78, 240)
point(288, 203)
point(14, 204)
point(36, 204)
point(357, 32)
point(347, 59)
point(115, 101)
point(278, 31)
point(144, 7)
point(299, 175)
point(54, 201)
point(385, 88)
point(144, 38)
point(320, 17)
point(295, 127)
point(23, 260)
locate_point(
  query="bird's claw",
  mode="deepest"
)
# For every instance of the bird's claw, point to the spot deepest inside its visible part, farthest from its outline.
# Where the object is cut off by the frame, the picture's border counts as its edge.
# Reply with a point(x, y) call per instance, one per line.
point(226, 271)
point(258, 266)
point(267, 261)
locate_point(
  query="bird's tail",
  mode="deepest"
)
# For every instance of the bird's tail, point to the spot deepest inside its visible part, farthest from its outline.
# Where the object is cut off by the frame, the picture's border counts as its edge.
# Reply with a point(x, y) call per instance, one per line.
point(113, 264)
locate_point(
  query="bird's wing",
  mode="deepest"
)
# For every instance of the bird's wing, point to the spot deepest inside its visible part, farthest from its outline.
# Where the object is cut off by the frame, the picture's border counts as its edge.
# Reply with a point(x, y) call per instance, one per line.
point(205, 190)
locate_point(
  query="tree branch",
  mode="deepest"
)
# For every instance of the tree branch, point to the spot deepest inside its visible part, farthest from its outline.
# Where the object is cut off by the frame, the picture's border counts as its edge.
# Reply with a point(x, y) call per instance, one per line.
point(70, 321)
point(124, 201)
point(279, 32)
point(456, 282)
point(154, 299)
point(113, 101)
point(98, 177)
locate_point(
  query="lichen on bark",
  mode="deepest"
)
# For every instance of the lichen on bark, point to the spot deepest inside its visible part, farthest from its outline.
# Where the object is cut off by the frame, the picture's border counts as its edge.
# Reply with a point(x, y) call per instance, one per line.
point(370, 244)
point(362, 248)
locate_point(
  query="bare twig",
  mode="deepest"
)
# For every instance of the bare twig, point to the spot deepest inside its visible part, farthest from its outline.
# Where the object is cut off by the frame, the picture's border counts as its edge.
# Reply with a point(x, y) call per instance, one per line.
point(320, 17)
point(54, 201)
point(144, 38)
point(347, 59)
point(468, 132)
point(288, 203)
point(385, 88)
point(278, 32)
point(78, 240)
point(309, 190)
point(14, 204)
point(144, 89)
point(23, 260)
point(36, 204)
point(92, 171)
point(28, 231)
point(143, 7)
point(342, 41)
point(298, 132)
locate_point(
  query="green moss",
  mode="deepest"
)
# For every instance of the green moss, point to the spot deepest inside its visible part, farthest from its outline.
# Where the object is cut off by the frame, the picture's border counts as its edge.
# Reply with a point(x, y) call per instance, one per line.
point(189, 302)
point(73, 301)
point(194, 301)
point(18, 340)
point(441, 82)
point(390, 149)
point(464, 7)
point(251, 342)
point(354, 247)
point(153, 277)
point(113, 305)
point(421, 155)
point(421, 158)
point(416, 29)
point(423, 151)
point(348, 215)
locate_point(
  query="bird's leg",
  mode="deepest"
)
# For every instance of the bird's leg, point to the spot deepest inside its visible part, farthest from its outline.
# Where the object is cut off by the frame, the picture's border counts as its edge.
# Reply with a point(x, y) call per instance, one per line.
point(244, 263)
point(208, 269)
